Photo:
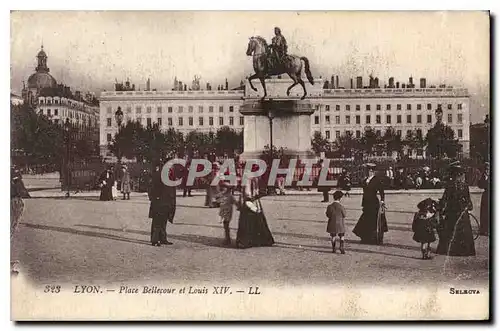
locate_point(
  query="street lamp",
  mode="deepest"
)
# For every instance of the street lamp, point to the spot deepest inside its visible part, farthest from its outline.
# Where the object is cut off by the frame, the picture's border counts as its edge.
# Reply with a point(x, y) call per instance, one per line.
point(271, 115)
point(67, 130)
point(119, 120)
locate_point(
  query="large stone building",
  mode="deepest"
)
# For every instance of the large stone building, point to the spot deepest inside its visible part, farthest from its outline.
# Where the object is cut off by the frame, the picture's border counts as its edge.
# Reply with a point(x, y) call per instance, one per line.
point(59, 103)
point(338, 110)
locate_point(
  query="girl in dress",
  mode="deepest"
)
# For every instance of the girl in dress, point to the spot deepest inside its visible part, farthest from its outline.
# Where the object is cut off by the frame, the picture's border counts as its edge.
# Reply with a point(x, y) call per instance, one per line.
point(424, 223)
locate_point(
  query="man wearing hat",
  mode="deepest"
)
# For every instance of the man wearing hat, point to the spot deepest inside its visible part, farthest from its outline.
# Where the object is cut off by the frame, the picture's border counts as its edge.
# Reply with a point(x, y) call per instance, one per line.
point(372, 224)
point(484, 183)
point(125, 182)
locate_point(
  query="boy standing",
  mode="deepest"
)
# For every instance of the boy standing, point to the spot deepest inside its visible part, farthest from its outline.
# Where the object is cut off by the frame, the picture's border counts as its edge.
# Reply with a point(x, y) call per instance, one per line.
point(336, 221)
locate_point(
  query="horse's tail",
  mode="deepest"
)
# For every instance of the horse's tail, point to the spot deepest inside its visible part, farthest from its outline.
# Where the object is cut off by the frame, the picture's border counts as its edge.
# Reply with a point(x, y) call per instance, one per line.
point(307, 70)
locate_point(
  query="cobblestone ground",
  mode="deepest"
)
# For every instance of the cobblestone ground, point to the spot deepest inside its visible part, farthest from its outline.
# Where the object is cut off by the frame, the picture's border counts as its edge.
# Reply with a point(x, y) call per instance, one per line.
point(85, 240)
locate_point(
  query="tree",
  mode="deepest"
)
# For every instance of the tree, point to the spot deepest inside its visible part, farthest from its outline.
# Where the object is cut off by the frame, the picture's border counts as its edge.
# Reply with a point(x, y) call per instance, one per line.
point(345, 145)
point(392, 141)
point(320, 144)
point(127, 141)
point(480, 140)
point(228, 141)
point(441, 141)
point(368, 140)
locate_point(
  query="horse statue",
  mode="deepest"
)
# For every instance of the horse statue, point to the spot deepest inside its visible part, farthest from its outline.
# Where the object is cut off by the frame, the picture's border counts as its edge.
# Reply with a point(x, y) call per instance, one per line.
point(264, 66)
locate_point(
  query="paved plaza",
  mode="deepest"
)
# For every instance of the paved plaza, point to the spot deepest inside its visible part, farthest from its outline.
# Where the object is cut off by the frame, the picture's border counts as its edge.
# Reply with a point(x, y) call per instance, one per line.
point(85, 240)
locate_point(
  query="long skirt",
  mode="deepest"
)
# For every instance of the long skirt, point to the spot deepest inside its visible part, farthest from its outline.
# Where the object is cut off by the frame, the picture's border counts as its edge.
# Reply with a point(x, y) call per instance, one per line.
point(455, 236)
point(484, 227)
point(253, 230)
point(106, 193)
point(366, 228)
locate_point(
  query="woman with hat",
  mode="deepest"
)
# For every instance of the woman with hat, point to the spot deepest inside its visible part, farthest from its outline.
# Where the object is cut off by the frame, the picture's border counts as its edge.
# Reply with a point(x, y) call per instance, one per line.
point(455, 233)
point(372, 224)
point(125, 182)
point(484, 183)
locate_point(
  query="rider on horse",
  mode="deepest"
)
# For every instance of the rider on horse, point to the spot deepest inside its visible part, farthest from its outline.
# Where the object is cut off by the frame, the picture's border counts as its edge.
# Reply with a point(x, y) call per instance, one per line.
point(279, 47)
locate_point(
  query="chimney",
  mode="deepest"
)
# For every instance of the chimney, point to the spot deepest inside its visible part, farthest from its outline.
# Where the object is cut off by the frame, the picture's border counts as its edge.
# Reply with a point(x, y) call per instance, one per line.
point(352, 83)
point(336, 81)
point(403, 85)
point(359, 82)
point(391, 82)
point(133, 87)
point(326, 85)
point(185, 87)
point(332, 83)
point(397, 85)
point(410, 81)
point(376, 83)
point(422, 83)
point(208, 87)
point(148, 85)
point(227, 85)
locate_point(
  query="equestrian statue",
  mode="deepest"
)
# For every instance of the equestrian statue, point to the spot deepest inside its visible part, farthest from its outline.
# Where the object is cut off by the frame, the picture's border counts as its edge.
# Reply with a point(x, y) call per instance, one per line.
point(274, 60)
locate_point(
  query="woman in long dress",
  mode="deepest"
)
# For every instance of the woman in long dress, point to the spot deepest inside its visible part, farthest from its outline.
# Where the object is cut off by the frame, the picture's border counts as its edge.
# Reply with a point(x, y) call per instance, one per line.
point(372, 224)
point(484, 183)
point(455, 233)
point(253, 230)
point(107, 180)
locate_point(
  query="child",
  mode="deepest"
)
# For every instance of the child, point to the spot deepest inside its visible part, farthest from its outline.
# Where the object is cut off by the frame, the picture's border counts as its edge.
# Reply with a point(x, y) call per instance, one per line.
point(424, 223)
point(336, 226)
point(226, 201)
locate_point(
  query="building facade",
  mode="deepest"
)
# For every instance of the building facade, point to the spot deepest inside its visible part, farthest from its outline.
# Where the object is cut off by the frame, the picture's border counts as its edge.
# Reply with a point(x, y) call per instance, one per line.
point(338, 111)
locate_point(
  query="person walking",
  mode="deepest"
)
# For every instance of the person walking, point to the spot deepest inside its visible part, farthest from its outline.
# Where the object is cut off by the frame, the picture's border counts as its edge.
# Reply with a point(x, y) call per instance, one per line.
point(106, 182)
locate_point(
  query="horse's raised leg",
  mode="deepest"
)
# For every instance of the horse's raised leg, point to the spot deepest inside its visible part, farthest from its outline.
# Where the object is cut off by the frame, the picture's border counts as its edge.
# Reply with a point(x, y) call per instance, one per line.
point(263, 82)
point(250, 81)
point(294, 78)
point(301, 82)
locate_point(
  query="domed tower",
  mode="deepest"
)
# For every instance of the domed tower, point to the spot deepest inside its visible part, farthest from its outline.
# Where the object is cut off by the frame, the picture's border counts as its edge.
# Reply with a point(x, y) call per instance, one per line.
point(41, 79)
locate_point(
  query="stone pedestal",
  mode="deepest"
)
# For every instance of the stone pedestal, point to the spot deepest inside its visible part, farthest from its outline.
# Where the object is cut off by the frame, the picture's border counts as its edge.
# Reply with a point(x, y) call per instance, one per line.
point(291, 119)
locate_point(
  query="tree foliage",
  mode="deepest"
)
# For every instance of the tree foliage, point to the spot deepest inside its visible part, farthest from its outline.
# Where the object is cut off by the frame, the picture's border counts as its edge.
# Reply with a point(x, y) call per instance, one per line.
point(441, 141)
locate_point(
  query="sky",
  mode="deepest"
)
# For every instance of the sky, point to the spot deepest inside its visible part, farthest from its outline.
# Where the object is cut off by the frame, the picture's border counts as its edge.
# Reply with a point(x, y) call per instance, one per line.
point(90, 50)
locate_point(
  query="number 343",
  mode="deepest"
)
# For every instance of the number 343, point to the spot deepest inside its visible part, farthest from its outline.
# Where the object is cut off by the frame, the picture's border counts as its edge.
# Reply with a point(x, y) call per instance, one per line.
point(52, 289)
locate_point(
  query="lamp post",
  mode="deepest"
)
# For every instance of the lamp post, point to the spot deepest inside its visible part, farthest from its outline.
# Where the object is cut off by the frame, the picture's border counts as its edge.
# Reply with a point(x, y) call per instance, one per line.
point(119, 120)
point(271, 115)
point(67, 130)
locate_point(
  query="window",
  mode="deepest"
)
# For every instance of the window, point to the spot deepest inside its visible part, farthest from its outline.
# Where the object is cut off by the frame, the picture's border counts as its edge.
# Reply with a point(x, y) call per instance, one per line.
point(190, 109)
point(211, 121)
point(316, 119)
point(358, 107)
point(459, 106)
point(429, 118)
point(398, 119)
point(108, 137)
point(49, 102)
point(419, 119)
point(231, 109)
point(108, 121)
point(408, 118)
point(459, 118)
point(242, 120)
point(337, 134)
point(327, 107)
point(148, 110)
point(327, 119)
point(137, 110)
point(388, 119)
point(408, 106)
point(148, 121)
point(348, 132)
point(337, 119)
point(379, 107)
point(159, 121)
point(170, 109)
point(190, 121)
point(48, 112)
point(419, 106)
point(378, 119)
point(460, 133)
point(41, 101)
point(368, 119)
point(200, 121)
point(108, 110)
point(170, 121)
point(449, 106)
point(56, 121)
point(327, 134)
point(337, 107)
point(358, 119)
point(56, 102)
point(348, 107)
point(139, 120)
point(429, 106)
point(399, 133)
point(378, 133)
point(221, 109)
point(398, 106)
point(158, 110)
point(358, 134)
point(200, 109)
point(211, 109)
point(368, 107)
point(181, 121)
point(129, 109)
point(450, 118)
point(348, 119)
point(221, 121)
point(181, 109)
point(388, 107)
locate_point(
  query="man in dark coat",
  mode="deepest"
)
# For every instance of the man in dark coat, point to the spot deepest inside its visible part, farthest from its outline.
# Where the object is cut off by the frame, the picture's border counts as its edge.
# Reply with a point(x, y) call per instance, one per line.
point(162, 207)
point(484, 183)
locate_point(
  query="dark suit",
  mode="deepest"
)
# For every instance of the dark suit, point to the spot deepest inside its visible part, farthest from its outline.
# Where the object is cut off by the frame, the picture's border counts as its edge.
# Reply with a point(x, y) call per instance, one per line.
point(366, 228)
point(162, 208)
